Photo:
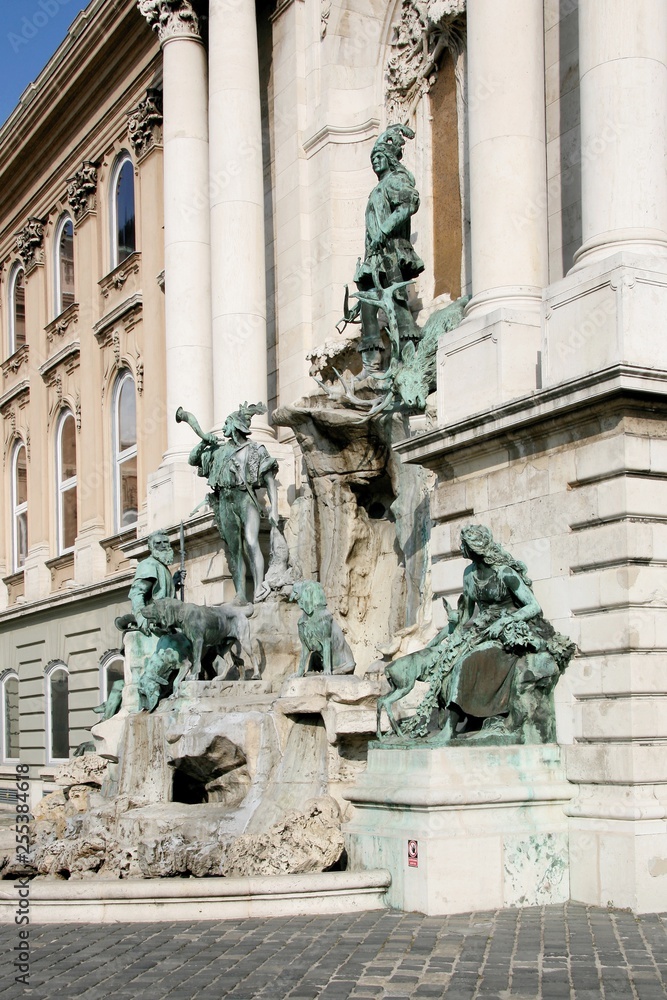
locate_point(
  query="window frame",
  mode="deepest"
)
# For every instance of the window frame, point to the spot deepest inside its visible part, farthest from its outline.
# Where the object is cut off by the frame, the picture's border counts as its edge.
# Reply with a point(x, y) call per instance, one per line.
point(52, 669)
point(64, 486)
point(120, 457)
point(123, 158)
point(62, 222)
point(16, 508)
point(111, 656)
point(12, 346)
point(7, 676)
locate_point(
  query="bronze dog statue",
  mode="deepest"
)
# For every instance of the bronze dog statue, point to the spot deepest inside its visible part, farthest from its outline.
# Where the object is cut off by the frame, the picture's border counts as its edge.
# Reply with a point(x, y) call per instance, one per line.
point(212, 631)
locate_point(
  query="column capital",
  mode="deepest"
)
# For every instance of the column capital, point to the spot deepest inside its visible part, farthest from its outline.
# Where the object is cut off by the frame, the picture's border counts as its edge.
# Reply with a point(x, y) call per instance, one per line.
point(171, 19)
point(30, 242)
point(82, 190)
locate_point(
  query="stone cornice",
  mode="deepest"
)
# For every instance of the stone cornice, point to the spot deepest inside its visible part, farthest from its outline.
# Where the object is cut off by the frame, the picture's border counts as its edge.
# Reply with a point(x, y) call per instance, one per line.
point(65, 101)
point(575, 400)
point(340, 133)
point(116, 279)
point(20, 389)
point(117, 583)
point(59, 326)
point(126, 312)
point(16, 361)
point(171, 19)
point(281, 7)
point(67, 355)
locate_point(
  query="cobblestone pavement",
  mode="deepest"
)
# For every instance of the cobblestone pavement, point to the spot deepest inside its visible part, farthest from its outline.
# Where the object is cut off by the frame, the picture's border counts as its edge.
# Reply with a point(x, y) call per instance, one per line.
point(530, 954)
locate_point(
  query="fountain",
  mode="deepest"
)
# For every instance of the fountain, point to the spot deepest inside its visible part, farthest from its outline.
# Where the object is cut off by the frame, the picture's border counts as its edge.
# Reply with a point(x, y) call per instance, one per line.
point(290, 746)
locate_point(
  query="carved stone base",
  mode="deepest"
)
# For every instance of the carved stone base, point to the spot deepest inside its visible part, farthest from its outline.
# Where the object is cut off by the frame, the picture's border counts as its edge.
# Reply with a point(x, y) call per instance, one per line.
point(463, 829)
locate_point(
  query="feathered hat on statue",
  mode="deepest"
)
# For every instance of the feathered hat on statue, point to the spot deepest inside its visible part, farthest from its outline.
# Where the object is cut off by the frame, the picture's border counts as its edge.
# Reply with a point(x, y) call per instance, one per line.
point(240, 419)
point(392, 141)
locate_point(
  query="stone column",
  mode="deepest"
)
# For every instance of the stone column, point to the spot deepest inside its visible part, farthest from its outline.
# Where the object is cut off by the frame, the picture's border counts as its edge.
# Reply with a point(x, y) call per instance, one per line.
point(507, 154)
point(238, 264)
point(623, 85)
point(499, 340)
point(609, 310)
point(172, 490)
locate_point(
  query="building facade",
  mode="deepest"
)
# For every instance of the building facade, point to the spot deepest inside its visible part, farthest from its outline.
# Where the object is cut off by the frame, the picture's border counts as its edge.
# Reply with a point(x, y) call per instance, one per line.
point(181, 207)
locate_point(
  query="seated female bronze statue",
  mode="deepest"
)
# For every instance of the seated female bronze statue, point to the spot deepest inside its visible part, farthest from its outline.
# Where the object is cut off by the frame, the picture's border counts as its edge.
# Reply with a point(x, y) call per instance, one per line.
point(495, 666)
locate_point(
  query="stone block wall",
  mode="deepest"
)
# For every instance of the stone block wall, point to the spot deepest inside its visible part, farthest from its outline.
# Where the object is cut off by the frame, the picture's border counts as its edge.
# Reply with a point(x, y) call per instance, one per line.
point(580, 497)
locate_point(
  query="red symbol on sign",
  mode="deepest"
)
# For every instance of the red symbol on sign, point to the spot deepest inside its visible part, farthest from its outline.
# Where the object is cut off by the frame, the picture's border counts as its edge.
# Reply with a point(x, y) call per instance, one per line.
point(413, 854)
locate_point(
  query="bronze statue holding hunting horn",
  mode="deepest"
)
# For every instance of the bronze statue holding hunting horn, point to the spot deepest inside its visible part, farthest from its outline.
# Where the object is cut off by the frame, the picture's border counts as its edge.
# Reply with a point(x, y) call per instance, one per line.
point(235, 469)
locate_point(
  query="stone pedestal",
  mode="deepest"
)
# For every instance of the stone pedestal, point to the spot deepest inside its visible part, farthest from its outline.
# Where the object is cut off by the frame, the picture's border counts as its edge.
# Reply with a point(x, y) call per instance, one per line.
point(138, 648)
point(144, 775)
point(463, 829)
point(608, 315)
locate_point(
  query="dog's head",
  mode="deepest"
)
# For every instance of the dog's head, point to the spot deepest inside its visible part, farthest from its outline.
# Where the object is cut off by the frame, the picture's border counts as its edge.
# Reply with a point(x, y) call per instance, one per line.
point(162, 612)
point(309, 595)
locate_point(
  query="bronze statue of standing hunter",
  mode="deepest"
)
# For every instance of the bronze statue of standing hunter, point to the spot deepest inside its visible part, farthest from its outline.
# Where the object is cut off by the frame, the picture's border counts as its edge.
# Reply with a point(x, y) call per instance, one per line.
point(235, 469)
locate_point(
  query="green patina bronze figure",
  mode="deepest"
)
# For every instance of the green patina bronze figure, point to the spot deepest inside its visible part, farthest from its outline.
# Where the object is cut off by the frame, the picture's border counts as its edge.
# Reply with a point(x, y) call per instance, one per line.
point(323, 645)
point(495, 665)
point(113, 702)
point(152, 581)
point(398, 356)
point(390, 261)
point(156, 678)
point(235, 470)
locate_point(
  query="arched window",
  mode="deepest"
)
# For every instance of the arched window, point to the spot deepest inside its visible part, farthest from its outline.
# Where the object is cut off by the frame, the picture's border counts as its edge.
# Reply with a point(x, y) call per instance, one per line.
point(112, 668)
point(125, 451)
point(9, 720)
point(19, 507)
point(122, 211)
point(16, 309)
point(64, 264)
point(66, 481)
point(57, 713)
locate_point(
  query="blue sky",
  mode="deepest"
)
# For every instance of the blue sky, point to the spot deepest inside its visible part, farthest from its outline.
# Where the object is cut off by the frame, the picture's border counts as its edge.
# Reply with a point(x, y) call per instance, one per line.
point(30, 32)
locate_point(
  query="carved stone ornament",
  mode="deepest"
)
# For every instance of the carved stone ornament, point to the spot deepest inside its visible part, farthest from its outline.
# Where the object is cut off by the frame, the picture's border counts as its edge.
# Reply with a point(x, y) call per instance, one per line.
point(30, 242)
point(13, 364)
point(59, 326)
point(325, 14)
point(424, 30)
point(144, 123)
point(82, 190)
point(170, 18)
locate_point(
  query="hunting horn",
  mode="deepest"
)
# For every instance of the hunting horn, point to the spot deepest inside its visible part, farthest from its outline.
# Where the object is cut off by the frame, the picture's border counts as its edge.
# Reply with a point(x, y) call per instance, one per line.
point(183, 416)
